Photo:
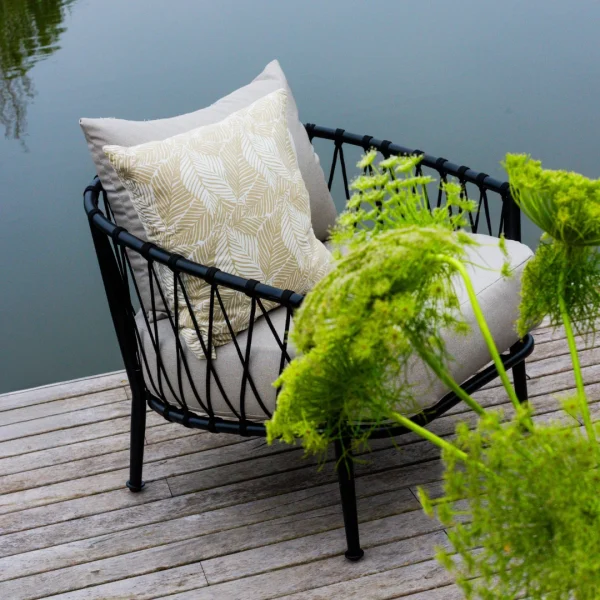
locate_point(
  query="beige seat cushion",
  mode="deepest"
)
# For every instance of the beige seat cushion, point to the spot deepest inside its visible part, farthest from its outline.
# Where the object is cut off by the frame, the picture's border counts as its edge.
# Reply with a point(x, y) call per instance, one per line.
point(102, 132)
point(499, 299)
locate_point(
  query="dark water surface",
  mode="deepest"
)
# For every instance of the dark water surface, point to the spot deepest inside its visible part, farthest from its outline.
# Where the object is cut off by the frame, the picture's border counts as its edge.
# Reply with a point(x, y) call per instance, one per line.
point(467, 80)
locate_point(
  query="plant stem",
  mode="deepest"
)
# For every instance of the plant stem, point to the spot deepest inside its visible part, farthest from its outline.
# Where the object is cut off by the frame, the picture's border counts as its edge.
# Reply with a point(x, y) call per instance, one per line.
point(426, 434)
point(449, 381)
point(425, 195)
point(583, 405)
point(485, 331)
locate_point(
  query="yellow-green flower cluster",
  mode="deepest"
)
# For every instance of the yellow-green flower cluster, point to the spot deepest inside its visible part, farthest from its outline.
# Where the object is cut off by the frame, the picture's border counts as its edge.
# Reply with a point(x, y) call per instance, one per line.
point(387, 301)
point(566, 266)
point(523, 514)
point(563, 204)
point(390, 195)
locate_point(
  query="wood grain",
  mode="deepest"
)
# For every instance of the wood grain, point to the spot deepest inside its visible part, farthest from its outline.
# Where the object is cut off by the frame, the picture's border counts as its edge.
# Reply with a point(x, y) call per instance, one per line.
point(205, 540)
point(64, 421)
point(48, 409)
point(223, 517)
point(324, 572)
point(245, 502)
point(65, 389)
point(85, 467)
point(143, 587)
point(113, 479)
point(426, 575)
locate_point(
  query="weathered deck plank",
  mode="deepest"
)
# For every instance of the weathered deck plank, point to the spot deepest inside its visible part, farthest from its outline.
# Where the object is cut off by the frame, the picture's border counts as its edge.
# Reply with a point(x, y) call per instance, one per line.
point(62, 390)
point(212, 510)
point(220, 532)
point(65, 437)
point(94, 465)
point(309, 548)
point(79, 507)
point(64, 405)
point(143, 587)
point(324, 572)
point(58, 566)
point(64, 421)
point(113, 479)
point(221, 518)
point(38, 459)
point(426, 575)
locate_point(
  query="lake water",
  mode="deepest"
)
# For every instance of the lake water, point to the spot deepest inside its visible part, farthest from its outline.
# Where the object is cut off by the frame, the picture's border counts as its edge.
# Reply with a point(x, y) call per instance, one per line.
point(468, 80)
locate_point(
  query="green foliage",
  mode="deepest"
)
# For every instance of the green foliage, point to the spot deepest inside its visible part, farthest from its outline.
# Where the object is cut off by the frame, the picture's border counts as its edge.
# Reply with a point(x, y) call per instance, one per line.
point(388, 196)
point(523, 509)
point(563, 278)
point(566, 264)
point(523, 512)
point(572, 270)
point(565, 205)
point(521, 502)
point(386, 301)
point(358, 329)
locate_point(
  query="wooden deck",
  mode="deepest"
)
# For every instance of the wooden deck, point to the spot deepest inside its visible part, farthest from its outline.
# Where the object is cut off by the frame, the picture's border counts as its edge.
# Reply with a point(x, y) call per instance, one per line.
point(221, 517)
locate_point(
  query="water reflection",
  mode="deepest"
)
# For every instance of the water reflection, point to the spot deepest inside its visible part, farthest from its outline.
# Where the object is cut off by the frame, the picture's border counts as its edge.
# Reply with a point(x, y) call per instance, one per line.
point(29, 32)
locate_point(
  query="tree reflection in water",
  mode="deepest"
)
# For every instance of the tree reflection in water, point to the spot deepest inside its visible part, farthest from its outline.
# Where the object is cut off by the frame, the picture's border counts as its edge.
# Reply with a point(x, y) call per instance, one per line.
point(29, 32)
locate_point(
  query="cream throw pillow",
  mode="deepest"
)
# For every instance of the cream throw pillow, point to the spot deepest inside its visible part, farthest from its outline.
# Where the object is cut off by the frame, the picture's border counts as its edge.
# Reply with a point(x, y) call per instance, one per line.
point(228, 195)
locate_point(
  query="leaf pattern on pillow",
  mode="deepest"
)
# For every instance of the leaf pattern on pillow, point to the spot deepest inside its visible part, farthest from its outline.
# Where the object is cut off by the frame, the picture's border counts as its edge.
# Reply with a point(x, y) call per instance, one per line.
point(228, 195)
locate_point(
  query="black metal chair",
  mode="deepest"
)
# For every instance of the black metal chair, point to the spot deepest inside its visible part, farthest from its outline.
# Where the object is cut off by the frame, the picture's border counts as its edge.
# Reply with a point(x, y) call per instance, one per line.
point(178, 398)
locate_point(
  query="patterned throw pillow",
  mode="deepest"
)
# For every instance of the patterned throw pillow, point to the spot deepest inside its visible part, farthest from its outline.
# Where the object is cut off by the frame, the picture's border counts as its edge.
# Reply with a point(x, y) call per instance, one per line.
point(228, 195)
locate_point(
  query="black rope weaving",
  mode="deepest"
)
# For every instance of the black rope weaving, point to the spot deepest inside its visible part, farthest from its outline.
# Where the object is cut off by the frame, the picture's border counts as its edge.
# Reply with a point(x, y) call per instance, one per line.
point(172, 384)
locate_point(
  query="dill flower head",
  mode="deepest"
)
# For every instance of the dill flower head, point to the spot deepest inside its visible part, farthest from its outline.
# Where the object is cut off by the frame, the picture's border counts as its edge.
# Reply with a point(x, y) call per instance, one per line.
point(523, 513)
point(386, 301)
point(565, 205)
point(390, 194)
point(566, 265)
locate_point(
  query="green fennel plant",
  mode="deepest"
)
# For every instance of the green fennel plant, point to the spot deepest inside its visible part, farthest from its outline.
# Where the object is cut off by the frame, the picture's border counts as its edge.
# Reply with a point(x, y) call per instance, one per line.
point(563, 280)
point(388, 300)
point(523, 510)
point(520, 501)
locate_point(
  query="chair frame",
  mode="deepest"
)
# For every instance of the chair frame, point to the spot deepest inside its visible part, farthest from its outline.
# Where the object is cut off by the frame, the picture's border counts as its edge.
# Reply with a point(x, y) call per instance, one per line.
point(113, 246)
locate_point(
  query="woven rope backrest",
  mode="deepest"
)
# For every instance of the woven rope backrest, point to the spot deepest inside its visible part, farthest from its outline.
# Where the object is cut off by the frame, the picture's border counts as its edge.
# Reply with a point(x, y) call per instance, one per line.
point(496, 212)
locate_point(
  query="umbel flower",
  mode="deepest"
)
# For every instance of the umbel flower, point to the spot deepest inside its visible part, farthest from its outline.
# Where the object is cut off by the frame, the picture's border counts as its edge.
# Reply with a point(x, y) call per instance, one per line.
point(388, 196)
point(523, 508)
point(384, 302)
point(387, 301)
point(566, 206)
point(563, 204)
point(562, 281)
point(522, 513)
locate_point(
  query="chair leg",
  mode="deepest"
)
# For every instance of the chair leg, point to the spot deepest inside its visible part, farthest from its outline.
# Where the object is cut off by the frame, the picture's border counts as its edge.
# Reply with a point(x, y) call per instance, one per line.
point(345, 471)
point(138, 431)
point(520, 381)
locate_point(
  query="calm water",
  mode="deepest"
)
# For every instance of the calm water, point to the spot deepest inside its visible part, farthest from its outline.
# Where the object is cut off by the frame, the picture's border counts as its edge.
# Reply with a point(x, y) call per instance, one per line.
point(468, 80)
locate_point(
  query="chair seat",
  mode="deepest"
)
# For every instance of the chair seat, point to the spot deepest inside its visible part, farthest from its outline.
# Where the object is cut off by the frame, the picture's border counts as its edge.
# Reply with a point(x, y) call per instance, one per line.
point(499, 299)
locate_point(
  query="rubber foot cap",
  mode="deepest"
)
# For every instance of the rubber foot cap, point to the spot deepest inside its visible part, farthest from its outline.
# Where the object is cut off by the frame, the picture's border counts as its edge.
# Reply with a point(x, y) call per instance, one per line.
point(135, 488)
point(354, 556)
